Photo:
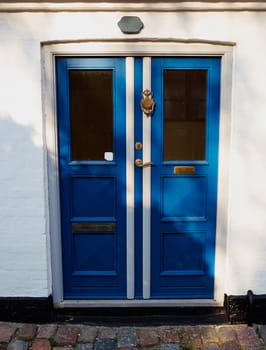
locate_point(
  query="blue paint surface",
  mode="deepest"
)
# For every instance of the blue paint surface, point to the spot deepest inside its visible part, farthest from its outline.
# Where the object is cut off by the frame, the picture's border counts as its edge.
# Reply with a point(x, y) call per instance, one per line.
point(183, 207)
point(183, 224)
point(183, 197)
point(94, 197)
point(94, 263)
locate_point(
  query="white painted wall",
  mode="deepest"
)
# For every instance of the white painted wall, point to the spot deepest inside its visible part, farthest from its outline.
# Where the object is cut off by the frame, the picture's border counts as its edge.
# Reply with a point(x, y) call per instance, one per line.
point(24, 264)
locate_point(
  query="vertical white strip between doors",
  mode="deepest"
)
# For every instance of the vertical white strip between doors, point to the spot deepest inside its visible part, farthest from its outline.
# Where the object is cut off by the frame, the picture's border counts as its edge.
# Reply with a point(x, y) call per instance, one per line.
point(130, 177)
point(146, 230)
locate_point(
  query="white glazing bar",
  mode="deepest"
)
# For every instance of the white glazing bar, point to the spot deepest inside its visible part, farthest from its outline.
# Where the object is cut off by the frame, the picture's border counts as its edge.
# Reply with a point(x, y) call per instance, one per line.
point(146, 186)
point(130, 176)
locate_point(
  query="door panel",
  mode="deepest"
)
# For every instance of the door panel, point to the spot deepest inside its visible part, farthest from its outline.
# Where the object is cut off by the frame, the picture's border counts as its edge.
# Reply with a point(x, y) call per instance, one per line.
point(185, 128)
point(92, 176)
point(189, 203)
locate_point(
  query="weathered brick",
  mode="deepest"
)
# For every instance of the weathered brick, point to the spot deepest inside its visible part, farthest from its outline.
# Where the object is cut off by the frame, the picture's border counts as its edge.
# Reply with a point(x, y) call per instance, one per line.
point(105, 344)
point(248, 339)
point(41, 344)
point(209, 335)
point(230, 345)
point(127, 337)
point(262, 331)
point(147, 337)
point(26, 332)
point(190, 337)
point(211, 346)
point(18, 345)
point(107, 333)
point(168, 334)
point(170, 346)
point(196, 343)
point(6, 333)
point(66, 335)
point(87, 334)
point(226, 334)
point(88, 346)
point(46, 331)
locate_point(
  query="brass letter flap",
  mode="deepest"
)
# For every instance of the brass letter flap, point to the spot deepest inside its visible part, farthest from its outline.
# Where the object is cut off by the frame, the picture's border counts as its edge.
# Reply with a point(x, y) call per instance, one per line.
point(184, 170)
point(84, 227)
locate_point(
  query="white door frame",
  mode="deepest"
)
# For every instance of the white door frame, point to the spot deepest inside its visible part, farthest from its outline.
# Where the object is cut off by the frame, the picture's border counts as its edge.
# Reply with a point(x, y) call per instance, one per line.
point(144, 48)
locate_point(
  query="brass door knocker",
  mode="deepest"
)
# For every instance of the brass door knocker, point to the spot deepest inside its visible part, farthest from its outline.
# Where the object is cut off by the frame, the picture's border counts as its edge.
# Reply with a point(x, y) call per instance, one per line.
point(147, 103)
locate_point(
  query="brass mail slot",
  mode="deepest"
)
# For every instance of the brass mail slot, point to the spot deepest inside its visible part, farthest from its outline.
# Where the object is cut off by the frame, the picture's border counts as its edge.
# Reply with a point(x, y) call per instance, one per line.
point(80, 227)
point(184, 170)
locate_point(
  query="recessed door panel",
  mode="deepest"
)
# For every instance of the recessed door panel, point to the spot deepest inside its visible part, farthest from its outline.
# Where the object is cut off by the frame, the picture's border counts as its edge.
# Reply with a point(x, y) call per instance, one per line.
point(94, 196)
point(183, 197)
point(94, 254)
point(190, 249)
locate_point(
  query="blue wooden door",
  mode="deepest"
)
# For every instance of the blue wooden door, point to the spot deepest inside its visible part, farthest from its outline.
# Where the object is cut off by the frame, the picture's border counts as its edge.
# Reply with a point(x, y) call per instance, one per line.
point(185, 130)
point(182, 191)
point(91, 124)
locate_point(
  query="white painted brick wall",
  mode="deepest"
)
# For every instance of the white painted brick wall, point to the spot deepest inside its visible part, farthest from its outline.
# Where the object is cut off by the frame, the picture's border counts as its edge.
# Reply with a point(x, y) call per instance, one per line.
point(23, 235)
point(23, 262)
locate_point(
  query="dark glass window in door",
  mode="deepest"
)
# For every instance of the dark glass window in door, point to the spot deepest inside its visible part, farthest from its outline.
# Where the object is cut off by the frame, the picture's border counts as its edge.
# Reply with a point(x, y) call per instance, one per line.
point(185, 114)
point(91, 107)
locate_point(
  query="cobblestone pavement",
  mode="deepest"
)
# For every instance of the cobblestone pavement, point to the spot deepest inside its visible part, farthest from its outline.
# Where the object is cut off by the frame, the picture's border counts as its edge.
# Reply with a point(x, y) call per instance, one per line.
point(17, 336)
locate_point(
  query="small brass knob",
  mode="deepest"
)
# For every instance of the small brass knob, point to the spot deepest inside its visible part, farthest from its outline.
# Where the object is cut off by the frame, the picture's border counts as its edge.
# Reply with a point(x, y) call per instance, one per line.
point(138, 146)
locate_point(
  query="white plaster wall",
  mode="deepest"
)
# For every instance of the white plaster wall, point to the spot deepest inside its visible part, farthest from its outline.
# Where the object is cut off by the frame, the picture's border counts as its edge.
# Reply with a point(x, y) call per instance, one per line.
point(24, 264)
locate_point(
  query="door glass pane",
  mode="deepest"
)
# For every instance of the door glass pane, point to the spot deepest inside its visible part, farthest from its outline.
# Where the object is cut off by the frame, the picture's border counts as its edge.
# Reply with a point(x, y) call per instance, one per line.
point(91, 101)
point(184, 114)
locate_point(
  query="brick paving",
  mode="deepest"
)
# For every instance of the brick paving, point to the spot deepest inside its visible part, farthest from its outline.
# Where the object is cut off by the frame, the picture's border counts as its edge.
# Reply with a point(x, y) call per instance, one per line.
point(16, 336)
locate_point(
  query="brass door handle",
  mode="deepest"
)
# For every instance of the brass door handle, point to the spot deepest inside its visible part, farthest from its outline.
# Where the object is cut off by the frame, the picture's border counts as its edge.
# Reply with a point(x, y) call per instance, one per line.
point(140, 164)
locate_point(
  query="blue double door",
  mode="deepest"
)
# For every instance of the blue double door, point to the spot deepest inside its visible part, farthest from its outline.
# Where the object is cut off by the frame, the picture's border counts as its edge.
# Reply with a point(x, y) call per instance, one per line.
point(138, 176)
